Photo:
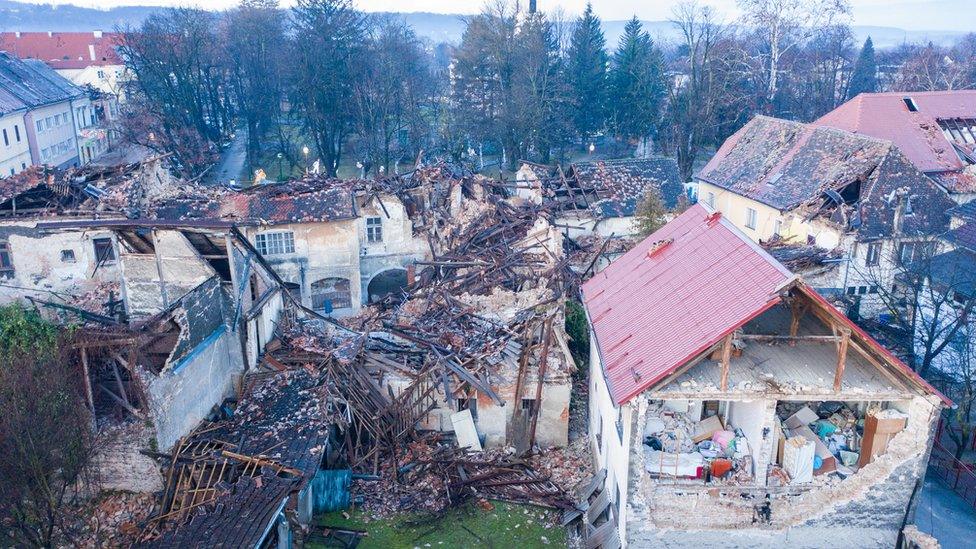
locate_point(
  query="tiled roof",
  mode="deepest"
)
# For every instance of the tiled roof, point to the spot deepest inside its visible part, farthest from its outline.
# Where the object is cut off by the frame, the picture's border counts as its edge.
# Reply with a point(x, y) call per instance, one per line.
point(965, 211)
point(620, 184)
point(276, 204)
point(787, 164)
point(64, 50)
point(20, 183)
point(652, 311)
point(917, 134)
point(33, 83)
point(956, 182)
point(964, 236)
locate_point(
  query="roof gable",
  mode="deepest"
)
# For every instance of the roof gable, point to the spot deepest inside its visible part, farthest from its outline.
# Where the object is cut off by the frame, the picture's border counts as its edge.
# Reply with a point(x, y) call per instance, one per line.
point(654, 309)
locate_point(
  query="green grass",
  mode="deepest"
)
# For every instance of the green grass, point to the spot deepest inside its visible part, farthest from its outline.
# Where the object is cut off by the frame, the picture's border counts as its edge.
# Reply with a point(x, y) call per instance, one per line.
point(507, 525)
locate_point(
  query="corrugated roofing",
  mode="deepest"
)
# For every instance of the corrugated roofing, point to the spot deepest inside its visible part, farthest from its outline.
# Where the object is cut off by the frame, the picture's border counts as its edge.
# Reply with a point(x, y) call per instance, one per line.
point(64, 50)
point(917, 134)
point(33, 83)
point(674, 295)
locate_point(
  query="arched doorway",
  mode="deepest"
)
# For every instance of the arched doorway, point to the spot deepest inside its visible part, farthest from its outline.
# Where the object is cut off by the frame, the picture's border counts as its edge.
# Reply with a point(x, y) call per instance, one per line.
point(390, 281)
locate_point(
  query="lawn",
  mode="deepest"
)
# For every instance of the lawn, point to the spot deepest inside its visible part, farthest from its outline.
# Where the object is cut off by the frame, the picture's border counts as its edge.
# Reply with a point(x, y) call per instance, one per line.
point(507, 525)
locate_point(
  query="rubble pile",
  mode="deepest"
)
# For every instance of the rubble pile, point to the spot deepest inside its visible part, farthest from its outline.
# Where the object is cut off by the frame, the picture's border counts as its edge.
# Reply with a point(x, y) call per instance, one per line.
point(114, 519)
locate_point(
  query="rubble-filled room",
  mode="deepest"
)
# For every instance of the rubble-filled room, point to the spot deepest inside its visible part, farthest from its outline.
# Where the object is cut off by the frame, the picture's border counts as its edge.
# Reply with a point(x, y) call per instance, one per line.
point(715, 442)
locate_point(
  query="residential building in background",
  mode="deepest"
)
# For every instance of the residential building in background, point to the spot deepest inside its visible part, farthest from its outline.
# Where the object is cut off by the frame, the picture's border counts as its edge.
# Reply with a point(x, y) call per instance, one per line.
point(14, 148)
point(936, 131)
point(61, 124)
point(84, 58)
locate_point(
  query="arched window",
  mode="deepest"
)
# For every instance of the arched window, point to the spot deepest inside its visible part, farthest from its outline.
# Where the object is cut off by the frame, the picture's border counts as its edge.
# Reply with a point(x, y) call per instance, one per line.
point(331, 293)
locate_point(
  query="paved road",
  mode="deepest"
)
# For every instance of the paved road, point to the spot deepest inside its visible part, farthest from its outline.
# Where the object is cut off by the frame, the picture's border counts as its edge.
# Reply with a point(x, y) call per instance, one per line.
point(946, 516)
point(232, 160)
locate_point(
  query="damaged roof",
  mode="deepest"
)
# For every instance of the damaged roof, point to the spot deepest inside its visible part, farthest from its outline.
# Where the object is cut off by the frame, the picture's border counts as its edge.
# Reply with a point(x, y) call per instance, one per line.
point(306, 201)
point(654, 309)
point(862, 183)
point(913, 121)
point(964, 236)
point(955, 269)
point(620, 184)
point(674, 296)
point(33, 83)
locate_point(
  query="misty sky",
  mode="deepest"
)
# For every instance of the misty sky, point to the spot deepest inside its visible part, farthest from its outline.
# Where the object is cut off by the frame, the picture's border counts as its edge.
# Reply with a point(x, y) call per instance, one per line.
point(957, 15)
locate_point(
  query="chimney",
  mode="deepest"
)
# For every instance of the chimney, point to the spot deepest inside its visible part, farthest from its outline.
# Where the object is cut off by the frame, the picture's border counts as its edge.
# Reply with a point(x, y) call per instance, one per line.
point(532, 6)
point(17, 34)
point(91, 51)
point(97, 34)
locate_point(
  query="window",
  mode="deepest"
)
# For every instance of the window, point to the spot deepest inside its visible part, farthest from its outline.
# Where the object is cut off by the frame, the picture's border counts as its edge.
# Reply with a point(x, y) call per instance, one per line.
point(104, 252)
point(11, 171)
point(910, 103)
point(278, 243)
point(101, 74)
point(329, 294)
point(750, 218)
point(710, 199)
point(872, 289)
point(6, 264)
point(374, 229)
point(861, 290)
point(468, 404)
point(528, 405)
point(67, 256)
point(17, 132)
point(47, 123)
point(6, 139)
point(874, 254)
point(851, 290)
point(778, 227)
point(914, 251)
point(40, 126)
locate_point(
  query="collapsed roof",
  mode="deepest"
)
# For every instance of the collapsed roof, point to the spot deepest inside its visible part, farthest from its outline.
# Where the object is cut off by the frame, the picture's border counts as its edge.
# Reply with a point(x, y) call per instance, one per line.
point(865, 185)
point(936, 131)
point(619, 185)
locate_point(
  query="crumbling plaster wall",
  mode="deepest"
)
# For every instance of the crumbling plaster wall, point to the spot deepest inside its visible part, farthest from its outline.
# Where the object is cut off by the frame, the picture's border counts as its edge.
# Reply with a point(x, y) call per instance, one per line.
point(179, 400)
point(176, 267)
point(322, 250)
point(866, 509)
point(39, 266)
point(398, 248)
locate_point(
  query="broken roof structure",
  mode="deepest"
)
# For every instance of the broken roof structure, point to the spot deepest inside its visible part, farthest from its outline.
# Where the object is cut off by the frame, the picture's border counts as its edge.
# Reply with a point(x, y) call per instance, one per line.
point(863, 184)
point(697, 260)
point(614, 188)
point(935, 130)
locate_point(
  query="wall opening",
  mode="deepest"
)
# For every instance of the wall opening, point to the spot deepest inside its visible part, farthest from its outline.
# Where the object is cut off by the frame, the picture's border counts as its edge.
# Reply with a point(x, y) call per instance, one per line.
point(329, 294)
point(390, 281)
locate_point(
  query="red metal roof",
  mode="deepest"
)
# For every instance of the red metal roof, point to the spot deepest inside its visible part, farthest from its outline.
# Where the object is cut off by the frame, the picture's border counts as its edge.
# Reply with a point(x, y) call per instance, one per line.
point(653, 313)
point(64, 50)
point(916, 134)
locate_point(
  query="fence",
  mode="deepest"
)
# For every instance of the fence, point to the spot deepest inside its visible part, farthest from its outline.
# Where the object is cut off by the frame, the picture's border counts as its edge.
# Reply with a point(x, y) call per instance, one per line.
point(957, 475)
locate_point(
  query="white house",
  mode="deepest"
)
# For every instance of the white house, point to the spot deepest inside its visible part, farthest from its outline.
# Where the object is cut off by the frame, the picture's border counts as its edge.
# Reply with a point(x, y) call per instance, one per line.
point(14, 147)
point(731, 405)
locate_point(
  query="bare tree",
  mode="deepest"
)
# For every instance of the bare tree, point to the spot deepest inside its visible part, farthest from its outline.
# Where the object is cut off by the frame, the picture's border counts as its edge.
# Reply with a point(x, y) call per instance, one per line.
point(934, 68)
point(958, 382)
point(783, 25)
point(920, 284)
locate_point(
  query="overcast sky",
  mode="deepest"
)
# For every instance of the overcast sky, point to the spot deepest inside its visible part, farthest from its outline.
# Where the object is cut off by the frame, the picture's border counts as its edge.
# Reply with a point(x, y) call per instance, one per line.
point(958, 15)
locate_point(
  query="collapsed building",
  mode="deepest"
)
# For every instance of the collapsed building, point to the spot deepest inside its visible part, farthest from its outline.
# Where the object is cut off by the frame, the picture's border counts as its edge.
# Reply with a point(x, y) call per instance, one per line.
point(806, 185)
point(731, 404)
point(601, 197)
point(470, 347)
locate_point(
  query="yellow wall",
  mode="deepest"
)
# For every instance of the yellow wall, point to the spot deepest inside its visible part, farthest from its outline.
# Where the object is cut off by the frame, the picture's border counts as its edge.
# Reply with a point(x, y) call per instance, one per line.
point(735, 208)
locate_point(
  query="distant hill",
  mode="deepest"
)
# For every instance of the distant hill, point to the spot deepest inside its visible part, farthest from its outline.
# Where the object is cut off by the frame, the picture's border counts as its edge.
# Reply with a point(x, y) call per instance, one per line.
point(18, 16)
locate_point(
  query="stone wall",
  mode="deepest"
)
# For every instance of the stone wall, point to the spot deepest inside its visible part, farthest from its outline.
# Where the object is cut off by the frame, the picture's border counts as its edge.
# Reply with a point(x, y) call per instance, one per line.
point(118, 462)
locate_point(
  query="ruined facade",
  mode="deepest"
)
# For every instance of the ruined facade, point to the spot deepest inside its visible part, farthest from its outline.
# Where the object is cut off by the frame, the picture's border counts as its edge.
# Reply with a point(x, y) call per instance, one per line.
point(769, 419)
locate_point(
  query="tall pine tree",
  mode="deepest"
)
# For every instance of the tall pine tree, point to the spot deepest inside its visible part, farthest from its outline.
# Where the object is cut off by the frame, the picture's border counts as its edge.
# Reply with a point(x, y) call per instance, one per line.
point(587, 65)
point(864, 79)
point(637, 84)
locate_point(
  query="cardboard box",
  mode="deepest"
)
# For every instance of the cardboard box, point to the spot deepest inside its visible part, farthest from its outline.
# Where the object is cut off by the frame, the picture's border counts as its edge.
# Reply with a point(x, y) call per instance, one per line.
point(706, 428)
point(803, 417)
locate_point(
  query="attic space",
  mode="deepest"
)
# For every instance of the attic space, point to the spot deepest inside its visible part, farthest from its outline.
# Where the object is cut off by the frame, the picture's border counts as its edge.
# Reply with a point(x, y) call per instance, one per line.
point(792, 445)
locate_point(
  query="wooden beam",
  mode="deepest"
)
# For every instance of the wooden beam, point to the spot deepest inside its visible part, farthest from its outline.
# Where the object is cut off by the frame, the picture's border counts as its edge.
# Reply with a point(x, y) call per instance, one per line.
point(797, 308)
point(792, 339)
point(841, 358)
point(88, 388)
point(121, 402)
point(726, 358)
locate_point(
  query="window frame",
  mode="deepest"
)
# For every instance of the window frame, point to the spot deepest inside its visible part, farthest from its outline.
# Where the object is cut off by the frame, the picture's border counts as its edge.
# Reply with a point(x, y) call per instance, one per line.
point(872, 257)
point(102, 241)
point(752, 218)
point(374, 230)
point(7, 269)
point(275, 243)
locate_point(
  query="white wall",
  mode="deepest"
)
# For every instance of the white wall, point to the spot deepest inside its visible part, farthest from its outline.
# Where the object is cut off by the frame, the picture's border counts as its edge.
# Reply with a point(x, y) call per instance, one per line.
point(612, 450)
point(14, 153)
point(53, 135)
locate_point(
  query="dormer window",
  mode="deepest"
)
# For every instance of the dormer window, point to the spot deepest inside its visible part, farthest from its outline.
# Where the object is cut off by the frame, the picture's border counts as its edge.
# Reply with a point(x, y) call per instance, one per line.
point(910, 103)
